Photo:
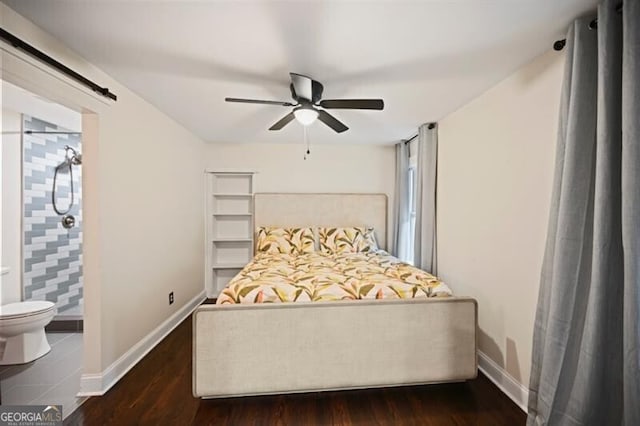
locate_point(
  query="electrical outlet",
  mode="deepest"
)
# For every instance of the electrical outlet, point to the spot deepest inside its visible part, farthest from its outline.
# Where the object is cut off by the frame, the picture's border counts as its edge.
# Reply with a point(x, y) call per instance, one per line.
point(170, 298)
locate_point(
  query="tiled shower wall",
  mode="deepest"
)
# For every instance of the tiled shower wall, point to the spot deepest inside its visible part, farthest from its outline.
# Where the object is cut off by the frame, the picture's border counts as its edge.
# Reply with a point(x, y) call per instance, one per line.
point(52, 254)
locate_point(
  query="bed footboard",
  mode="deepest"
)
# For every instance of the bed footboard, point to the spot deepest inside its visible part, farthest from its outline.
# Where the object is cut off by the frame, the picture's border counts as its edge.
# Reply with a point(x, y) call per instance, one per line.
point(285, 348)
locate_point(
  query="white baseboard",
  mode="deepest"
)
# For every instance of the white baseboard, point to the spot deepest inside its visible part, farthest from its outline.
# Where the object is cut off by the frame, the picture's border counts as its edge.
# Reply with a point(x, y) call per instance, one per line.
point(99, 384)
point(503, 380)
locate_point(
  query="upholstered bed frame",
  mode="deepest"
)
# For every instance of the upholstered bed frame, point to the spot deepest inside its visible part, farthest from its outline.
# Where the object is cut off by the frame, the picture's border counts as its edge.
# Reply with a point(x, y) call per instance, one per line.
point(303, 347)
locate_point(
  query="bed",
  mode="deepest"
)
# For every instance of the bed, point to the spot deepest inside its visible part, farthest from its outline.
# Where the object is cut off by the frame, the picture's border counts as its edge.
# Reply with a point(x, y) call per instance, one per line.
point(313, 330)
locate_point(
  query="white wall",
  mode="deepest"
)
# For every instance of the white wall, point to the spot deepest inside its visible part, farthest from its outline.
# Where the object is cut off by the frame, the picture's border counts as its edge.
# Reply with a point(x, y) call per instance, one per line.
point(329, 168)
point(10, 288)
point(143, 200)
point(23, 101)
point(494, 188)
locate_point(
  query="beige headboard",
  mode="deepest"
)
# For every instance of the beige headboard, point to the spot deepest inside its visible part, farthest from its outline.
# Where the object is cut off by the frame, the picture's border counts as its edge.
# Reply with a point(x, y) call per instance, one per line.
point(300, 210)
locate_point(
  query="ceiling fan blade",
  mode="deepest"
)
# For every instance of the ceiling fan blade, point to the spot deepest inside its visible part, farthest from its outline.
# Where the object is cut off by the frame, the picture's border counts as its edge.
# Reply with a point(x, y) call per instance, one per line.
point(331, 121)
point(302, 85)
point(353, 103)
point(258, 101)
point(283, 122)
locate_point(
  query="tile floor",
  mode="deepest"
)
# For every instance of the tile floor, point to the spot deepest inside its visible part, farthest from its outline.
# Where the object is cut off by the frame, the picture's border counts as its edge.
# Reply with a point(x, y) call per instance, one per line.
point(51, 380)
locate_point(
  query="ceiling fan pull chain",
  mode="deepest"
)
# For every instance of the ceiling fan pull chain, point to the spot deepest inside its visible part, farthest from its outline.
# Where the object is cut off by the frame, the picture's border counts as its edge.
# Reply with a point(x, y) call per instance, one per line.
point(306, 140)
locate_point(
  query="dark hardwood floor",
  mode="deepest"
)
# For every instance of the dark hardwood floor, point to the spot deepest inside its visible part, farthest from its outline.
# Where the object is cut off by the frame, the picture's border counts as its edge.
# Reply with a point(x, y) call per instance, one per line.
point(157, 391)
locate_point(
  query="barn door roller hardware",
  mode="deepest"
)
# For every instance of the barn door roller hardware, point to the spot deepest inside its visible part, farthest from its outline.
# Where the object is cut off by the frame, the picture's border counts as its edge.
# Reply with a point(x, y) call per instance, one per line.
point(43, 57)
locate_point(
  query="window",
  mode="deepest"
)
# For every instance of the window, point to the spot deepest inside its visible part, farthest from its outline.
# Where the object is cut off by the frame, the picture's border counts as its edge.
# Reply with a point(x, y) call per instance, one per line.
point(412, 179)
point(412, 213)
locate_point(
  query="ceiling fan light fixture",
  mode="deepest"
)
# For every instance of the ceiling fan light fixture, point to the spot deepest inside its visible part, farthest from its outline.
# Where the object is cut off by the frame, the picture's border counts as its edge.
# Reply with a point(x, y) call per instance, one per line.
point(307, 94)
point(305, 116)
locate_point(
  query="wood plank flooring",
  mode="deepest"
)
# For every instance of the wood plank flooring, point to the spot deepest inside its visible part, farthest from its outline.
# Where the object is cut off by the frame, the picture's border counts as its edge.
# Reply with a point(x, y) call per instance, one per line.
point(157, 391)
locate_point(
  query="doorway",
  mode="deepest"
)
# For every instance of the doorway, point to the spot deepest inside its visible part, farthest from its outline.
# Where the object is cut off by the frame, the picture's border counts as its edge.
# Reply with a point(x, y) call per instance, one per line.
point(41, 257)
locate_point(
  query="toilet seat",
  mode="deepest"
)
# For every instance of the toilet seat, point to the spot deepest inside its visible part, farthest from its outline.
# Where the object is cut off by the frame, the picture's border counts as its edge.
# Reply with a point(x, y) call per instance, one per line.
point(25, 309)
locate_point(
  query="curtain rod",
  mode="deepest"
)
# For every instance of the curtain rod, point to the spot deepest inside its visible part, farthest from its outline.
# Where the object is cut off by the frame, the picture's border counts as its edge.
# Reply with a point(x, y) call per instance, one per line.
point(36, 132)
point(43, 57)
point(410, 139)
point(593, 25)
point(431, 126)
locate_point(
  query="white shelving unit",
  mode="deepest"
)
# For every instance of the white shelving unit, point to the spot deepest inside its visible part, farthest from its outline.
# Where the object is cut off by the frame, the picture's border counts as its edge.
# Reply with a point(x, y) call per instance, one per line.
point(229, 226)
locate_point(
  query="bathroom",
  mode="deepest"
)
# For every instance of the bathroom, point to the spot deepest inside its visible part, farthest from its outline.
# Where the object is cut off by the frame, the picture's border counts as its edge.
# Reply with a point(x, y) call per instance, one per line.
point(41, 292)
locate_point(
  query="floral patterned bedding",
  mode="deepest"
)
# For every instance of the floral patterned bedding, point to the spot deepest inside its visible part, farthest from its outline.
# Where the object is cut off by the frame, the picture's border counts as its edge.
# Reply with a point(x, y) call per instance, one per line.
point(317, 276)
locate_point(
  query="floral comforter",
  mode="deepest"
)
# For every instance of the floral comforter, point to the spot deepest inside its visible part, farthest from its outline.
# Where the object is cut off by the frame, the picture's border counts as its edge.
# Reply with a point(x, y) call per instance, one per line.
point(316, 276)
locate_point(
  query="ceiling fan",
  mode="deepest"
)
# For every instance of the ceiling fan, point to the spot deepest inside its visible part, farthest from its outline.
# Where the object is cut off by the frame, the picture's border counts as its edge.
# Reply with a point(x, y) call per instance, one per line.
point(307, 93)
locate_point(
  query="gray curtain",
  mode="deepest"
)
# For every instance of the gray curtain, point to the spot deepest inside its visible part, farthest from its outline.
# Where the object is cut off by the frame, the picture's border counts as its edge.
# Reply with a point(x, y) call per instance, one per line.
point(401, 237)
point(586, 360)
point(425, 232)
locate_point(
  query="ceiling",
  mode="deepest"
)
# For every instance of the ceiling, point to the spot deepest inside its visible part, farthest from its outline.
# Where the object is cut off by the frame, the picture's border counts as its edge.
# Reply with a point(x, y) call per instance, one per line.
point(424, 58)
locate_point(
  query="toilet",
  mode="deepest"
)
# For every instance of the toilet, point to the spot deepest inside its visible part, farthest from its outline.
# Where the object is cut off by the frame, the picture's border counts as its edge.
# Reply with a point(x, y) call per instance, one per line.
point(22, 336)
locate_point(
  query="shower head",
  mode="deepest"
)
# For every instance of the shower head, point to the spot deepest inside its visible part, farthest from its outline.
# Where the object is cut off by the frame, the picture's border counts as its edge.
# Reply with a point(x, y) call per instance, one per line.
point(71, 158)
point(75, 158)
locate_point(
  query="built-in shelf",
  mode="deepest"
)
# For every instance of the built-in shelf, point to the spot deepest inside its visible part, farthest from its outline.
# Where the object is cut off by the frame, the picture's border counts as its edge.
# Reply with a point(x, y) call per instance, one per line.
point(231, 240)
point(229, 225)
point(239, 265)
point(232, 195)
